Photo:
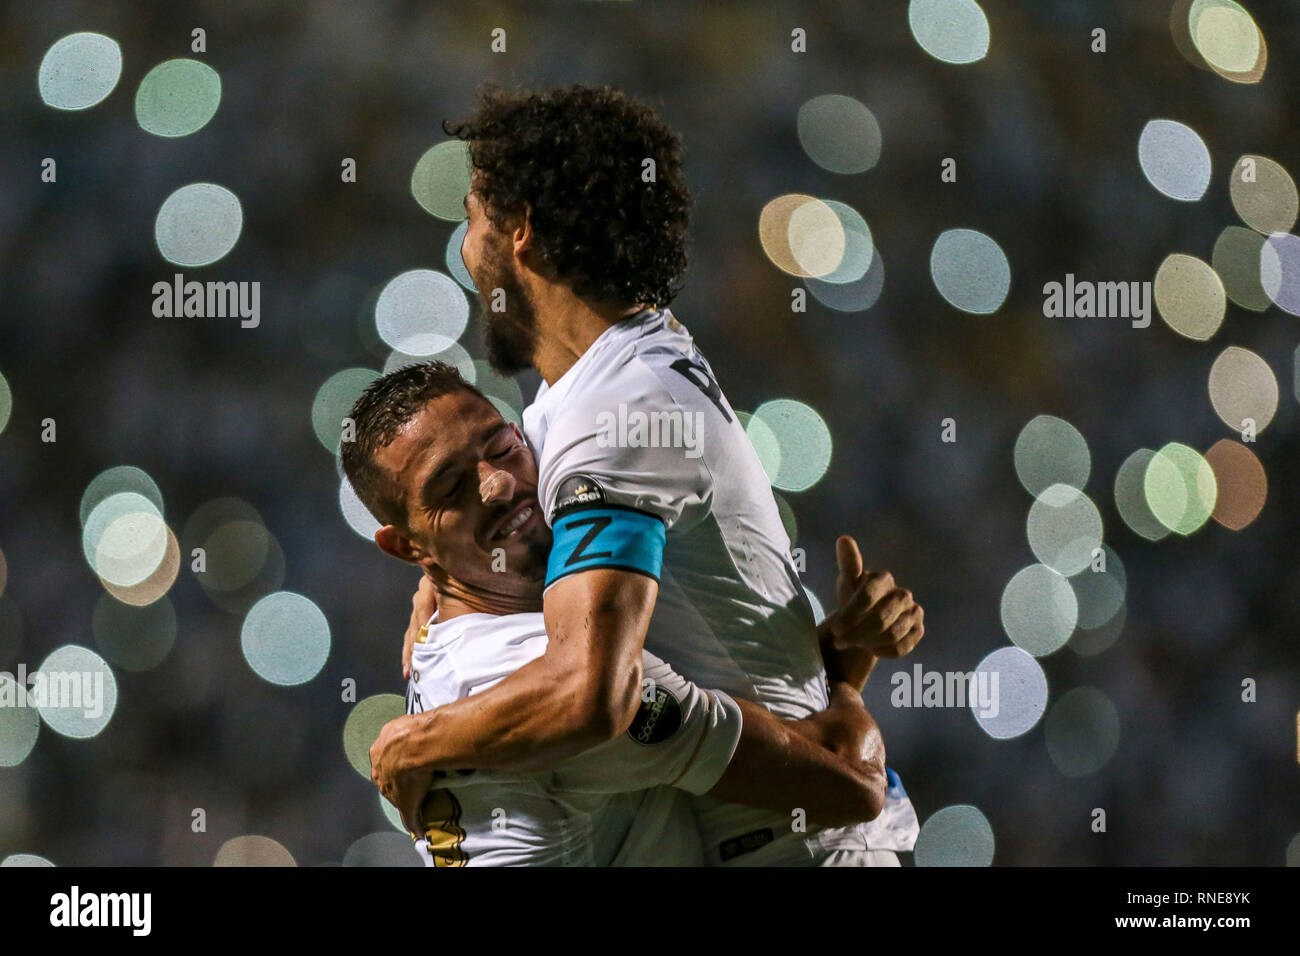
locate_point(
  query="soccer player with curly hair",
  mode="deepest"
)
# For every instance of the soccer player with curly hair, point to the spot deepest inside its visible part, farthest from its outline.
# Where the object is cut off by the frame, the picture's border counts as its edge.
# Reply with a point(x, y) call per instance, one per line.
point(665, 532)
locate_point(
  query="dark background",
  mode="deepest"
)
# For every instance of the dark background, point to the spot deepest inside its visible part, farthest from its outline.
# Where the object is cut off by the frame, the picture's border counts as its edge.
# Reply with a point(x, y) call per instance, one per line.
point(1045, 134)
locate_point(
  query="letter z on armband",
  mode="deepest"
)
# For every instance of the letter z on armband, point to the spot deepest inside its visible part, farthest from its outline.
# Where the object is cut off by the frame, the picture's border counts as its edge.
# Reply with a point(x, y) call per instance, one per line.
point(589, 533)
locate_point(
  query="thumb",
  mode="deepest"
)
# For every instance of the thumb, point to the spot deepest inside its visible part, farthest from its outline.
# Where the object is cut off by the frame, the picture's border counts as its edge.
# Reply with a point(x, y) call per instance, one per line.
point(849, 560)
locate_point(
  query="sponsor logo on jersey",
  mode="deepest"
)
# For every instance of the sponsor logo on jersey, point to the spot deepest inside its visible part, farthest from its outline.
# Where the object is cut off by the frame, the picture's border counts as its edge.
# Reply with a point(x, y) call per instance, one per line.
point(656, 719)
point(739, 846)
point(576, 492)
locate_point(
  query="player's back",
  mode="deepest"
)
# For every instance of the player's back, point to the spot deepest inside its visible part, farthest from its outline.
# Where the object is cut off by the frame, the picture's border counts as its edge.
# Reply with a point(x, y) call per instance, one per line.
point(639, 424)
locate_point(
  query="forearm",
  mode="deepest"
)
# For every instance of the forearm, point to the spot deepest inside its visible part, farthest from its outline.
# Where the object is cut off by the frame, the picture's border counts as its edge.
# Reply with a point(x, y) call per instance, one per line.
point(835, 774)
point(850, 666)
point(534, 719)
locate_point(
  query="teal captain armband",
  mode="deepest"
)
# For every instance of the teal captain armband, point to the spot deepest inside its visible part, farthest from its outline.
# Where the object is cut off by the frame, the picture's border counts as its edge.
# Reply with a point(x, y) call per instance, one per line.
point(606, 537)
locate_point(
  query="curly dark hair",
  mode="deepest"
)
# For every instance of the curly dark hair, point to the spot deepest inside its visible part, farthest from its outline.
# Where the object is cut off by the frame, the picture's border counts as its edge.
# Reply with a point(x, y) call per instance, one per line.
point(573, 159)
point(378, 415)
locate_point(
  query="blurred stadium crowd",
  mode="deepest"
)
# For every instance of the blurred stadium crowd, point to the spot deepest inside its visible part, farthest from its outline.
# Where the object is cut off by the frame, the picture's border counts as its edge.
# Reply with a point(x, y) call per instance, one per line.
point(1044, 132)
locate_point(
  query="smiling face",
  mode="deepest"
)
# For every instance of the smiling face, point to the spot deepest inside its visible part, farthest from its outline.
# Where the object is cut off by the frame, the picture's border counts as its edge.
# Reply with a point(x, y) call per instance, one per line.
point(511, 329)
point(469, 483)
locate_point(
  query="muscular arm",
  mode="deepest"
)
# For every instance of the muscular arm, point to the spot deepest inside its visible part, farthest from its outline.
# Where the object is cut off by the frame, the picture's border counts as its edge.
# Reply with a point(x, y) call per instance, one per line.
point(583, 691)
point(831, 765)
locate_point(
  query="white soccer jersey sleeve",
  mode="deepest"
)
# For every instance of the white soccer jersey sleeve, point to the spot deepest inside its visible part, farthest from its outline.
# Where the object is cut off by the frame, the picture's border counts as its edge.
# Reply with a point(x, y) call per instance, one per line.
point(683, 736)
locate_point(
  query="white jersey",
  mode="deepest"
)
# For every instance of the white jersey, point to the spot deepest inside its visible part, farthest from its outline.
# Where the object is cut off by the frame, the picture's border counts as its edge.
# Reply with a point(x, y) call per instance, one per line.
point(635, 441)
point(594, 809)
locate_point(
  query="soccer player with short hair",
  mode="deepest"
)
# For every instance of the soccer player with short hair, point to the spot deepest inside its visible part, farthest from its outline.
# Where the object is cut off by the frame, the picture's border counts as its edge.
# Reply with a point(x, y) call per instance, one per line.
point(576, 255)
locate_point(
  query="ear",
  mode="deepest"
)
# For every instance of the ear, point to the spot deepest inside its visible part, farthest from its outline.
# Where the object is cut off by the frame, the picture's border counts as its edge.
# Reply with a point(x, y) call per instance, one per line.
point(392, 541)
point(521, 239)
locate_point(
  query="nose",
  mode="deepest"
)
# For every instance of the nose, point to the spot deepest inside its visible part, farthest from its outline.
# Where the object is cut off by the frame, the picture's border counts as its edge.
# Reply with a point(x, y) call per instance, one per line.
point(496, 485)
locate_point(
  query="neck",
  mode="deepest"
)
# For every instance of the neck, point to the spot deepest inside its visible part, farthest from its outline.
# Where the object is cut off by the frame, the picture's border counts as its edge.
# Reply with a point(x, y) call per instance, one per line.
point(457, 597)
point(567, 326)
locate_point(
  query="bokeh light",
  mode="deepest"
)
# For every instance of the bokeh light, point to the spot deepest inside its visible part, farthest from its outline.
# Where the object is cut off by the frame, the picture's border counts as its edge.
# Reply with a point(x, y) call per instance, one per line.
point(774, 230)
point(120, 479)
point(363, 725)
point(1268, 202)
point(788, 519)
point(955, 836)
point(1189, 296)
point(125, 538)
point(839, 133)
point(453, 354)
point(285, 638)
point(20, 724)
point(1174, 159)
point(765, 442)
point(253, 850)
point(1099, 589)
point(198, 224)
point(1131, 496)
point(953, 31)
point(1241, 481)
point(1279, 271)
point(441, 179)
point(1082, 732)
point(79, 70)
point(1236, 260)
point(856, 295)
point(502, 390)
point(1226, 39)
point(241, 559)
point(1179, 488)
point(80, 691)
point(156, 584)
point(1224, 34)
point(859, 248)
point(355, 513)
point(391, 814)
point(816, 237)
point(1019, 694)
point(1038, 610)
point(421, 312)
point(804, 440)
point(1243, 387)
point(134, 638)
point(177, 97)
point(455, 261)
point(334, 401)
point(970, 270)
point(1089, 642)
point(1050, 451)
point(6, 402)
point(1064, 529)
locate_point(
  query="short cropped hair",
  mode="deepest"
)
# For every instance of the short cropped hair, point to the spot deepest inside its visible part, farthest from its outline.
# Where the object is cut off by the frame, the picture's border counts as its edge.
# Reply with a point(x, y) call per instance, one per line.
point(386, 405)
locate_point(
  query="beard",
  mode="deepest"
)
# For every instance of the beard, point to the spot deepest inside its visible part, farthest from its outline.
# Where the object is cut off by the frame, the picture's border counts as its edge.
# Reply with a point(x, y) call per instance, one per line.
point(509, 336)
point(534, 565)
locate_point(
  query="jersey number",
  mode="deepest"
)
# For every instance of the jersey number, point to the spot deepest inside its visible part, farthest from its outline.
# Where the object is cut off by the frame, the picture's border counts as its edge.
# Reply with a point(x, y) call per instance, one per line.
point(701, 379)
point(580, 553)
